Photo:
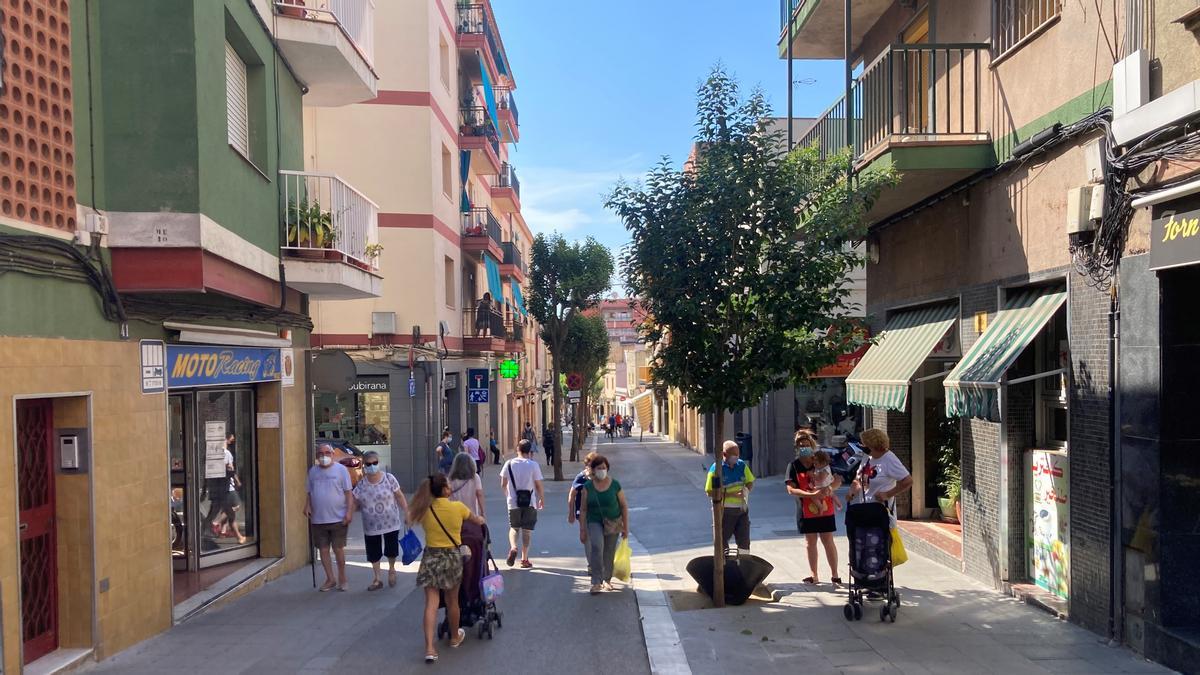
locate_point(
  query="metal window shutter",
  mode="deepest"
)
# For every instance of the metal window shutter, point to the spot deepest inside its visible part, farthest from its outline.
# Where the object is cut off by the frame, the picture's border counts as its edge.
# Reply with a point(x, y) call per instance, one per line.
point(237, 110)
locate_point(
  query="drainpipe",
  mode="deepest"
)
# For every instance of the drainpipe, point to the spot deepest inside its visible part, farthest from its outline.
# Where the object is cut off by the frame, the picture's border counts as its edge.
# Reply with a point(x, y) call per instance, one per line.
point(849, 102)
point(1117, 581)
point(791, 85)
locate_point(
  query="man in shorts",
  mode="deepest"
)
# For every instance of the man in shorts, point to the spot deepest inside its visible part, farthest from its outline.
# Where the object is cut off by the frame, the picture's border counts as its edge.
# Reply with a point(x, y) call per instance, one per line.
point(521, 480)
point(329, 508)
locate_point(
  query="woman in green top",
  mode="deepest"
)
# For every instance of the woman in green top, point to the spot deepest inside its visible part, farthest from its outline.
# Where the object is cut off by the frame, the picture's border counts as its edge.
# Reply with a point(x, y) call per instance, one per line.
point(603, 514)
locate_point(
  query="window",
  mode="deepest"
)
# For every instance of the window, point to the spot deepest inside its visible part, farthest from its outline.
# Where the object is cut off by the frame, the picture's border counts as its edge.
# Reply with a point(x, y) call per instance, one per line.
point(237, 104)
point(1017, 20)
point(444, 60)
point(448, 272)
point(1052, 392)
point(447, 172)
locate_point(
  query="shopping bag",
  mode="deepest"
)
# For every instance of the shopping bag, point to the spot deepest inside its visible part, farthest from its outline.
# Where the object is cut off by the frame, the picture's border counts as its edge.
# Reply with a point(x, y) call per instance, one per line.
point(899, 555)
point(622, 561)
point(410, 547)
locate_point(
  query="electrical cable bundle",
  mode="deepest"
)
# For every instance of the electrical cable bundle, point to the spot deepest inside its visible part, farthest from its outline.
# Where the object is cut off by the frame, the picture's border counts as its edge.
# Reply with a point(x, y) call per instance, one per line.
point(57, 259)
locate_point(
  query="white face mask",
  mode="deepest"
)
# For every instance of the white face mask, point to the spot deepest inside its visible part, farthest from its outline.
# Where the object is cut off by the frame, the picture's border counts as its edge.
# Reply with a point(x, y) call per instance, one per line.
point(600, 474)
point(325, 460)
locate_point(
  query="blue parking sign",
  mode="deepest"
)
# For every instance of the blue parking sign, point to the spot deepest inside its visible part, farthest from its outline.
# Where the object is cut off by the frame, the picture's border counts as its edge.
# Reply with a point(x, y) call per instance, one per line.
point(477, 385)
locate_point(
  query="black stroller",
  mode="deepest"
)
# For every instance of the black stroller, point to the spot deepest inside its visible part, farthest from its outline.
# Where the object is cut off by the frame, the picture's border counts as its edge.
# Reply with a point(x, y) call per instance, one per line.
point(474, 609)
point(869, 529)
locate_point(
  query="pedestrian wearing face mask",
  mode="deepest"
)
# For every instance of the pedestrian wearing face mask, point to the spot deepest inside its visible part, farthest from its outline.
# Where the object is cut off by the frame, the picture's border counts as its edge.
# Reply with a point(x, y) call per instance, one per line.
point(603, 515)
point(329, 509)
point(736, 481)
point(382, 504)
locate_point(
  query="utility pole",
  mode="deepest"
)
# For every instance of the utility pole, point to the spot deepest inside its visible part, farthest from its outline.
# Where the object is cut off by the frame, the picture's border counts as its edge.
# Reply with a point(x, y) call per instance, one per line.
point(791, 84)
point(849, 100)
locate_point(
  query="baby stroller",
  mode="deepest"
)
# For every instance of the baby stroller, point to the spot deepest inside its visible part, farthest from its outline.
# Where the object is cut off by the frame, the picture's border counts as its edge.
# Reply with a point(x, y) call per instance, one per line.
point(474, 608)
point(869, 529)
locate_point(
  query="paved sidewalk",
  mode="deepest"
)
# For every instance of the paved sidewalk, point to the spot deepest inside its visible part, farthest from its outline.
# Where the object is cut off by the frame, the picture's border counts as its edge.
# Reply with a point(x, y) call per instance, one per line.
point(948, 623)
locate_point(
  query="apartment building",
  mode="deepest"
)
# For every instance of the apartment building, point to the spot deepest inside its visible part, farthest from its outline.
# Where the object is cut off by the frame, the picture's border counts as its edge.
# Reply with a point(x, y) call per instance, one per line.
point(448, 343)
point(995, 284)
point(162, 244)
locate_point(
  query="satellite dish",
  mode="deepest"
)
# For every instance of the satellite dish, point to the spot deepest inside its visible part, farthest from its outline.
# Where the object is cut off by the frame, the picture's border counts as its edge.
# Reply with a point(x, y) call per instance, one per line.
point(333, 371)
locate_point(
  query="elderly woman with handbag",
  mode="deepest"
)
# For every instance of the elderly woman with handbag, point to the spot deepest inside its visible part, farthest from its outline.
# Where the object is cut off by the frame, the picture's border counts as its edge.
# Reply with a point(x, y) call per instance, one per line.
point(603, 515)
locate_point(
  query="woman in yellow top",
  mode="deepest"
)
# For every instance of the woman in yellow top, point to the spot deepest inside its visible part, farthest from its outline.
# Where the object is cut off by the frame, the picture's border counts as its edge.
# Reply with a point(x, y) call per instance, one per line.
point(441, 563)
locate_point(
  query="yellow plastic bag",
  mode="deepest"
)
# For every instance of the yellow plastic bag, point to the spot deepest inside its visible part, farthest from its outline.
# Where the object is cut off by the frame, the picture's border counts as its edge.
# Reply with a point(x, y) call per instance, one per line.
point(899, 555)
point(622, 561)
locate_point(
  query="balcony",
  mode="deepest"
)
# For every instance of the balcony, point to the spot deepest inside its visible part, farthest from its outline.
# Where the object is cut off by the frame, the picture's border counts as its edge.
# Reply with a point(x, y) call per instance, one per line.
point(513, 264)
point(506, 105)
point(478, 134)
point(915, 108)
point(515, 340)
point(479, 43)
point(331, 230)
point(331, 46)
point(506, 191)
point(819, 26)
point(481, 233)
point(483, 330)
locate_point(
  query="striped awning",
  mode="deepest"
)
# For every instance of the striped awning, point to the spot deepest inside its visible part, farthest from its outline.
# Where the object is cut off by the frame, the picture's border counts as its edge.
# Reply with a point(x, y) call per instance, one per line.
point(881, 378)
point(972, 386)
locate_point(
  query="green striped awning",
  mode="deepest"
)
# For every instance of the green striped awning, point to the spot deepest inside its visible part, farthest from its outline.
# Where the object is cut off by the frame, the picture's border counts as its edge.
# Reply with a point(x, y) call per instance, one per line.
point(881, 378)
point(971, 387)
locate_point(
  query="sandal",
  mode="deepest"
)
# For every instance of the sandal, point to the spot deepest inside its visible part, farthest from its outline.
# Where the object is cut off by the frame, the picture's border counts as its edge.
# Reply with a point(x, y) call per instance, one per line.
point(375, 585)
point(329, 586)
point(837, 581)
point(462, 637)
point(392, 579)
point(431, 658)
point(810, 580)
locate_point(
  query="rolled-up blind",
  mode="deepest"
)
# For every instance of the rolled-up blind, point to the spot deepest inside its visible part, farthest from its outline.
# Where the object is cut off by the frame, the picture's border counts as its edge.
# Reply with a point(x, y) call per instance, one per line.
point(237, 110)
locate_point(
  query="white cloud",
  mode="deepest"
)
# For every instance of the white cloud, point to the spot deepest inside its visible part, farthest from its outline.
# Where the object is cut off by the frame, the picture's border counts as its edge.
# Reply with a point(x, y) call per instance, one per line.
point(570, 200)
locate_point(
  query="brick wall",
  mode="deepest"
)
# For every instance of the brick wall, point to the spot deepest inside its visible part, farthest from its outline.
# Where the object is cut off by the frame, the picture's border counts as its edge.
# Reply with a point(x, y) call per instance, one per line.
point(1021, 430)
point(1091, 456)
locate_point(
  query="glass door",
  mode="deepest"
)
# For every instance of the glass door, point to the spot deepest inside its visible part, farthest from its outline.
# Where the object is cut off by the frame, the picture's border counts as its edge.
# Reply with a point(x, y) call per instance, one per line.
point(179, 411)
point(224, 478)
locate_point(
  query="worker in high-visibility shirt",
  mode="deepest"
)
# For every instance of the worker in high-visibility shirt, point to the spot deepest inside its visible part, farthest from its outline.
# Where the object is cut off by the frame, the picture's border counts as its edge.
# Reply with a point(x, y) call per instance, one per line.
point(736, 481)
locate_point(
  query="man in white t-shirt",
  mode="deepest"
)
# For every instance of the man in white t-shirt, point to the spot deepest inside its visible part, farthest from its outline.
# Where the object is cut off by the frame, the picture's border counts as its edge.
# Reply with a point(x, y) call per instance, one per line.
point(883, 476)
point(521, 480)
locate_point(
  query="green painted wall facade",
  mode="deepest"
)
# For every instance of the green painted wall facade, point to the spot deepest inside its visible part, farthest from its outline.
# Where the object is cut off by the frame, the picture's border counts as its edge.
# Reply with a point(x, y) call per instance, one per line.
point(156, 136)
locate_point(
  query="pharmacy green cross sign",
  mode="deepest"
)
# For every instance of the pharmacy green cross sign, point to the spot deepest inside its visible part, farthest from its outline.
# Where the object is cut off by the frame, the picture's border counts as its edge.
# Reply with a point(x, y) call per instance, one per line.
point(510, 369)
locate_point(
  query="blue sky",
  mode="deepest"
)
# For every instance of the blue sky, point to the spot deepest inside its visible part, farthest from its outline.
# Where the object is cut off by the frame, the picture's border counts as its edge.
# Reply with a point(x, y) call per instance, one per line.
point(606, 88)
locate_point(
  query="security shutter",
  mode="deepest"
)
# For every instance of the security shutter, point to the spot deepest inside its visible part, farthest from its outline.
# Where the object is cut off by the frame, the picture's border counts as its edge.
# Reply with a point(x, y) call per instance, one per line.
point(237, 110)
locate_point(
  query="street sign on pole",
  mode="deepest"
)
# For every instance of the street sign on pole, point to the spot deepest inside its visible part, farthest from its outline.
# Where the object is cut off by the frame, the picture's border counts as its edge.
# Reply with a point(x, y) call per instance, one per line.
point(412, 386)
point(575, 394)
point(477, 385)
point(574, 381)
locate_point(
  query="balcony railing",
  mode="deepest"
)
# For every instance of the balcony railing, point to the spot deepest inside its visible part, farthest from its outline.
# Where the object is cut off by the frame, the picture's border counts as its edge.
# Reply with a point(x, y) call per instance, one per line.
point(508, 179)
point(475, 19)
point(483, 323)
point(477, 122)
point(356, 18)
point(505, 100)
point(323, 213)
point(926, 92)
point(512, 256)
point(479, 222)
point(516, 329)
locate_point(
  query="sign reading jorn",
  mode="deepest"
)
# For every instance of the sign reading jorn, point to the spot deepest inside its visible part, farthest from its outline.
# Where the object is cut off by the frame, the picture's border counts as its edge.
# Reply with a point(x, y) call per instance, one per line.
point(199, 366)
point(1175, 234)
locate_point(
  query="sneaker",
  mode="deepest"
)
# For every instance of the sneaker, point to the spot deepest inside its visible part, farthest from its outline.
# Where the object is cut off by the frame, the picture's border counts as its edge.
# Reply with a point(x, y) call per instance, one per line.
point(526, 564)
point(512, 557)
point(595, 590)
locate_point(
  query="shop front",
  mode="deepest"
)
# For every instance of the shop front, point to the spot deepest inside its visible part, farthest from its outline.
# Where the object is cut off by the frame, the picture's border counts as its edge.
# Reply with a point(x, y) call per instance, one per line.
point(224, 409)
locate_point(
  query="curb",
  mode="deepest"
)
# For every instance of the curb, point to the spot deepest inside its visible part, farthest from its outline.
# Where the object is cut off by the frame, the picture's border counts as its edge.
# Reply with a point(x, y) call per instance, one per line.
point(663, 646)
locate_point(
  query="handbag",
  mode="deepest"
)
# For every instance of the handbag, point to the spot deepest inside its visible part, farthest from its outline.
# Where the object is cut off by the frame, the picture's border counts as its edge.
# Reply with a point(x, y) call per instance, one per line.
point(524, 497)
point(463, 549)
point(613, 526)
point(492, 584)
point(410, 547)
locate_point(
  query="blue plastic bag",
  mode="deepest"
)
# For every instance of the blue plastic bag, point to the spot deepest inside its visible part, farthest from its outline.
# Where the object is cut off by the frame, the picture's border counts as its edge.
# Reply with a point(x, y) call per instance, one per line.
point(410, 547)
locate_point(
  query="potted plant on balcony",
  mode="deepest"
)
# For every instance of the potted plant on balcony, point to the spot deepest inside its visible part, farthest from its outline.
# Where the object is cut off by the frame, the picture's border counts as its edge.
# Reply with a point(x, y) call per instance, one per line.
point(297, 11)
point(308, 227)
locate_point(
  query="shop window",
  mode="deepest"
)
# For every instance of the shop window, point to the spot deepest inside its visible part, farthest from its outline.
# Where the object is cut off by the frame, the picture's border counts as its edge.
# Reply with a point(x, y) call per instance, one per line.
point(361, 416)
point(1052, 393)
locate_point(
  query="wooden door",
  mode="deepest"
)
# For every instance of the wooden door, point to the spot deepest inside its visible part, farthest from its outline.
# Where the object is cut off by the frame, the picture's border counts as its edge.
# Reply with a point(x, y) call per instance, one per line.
point(39, 554)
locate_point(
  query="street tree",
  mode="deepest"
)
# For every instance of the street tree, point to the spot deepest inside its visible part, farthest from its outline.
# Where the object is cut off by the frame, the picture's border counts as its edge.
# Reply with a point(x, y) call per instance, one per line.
point(740, 261)
point(585, 351)
point(565, 279)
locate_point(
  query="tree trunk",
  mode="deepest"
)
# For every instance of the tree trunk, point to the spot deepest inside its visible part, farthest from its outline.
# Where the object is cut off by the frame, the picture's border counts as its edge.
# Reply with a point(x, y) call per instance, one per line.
point(580, 435)
point(718, 500)
point(556, 423)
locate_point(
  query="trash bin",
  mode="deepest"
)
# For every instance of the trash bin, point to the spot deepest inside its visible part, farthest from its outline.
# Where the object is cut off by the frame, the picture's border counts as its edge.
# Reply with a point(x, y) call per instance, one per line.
point(745, 445)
